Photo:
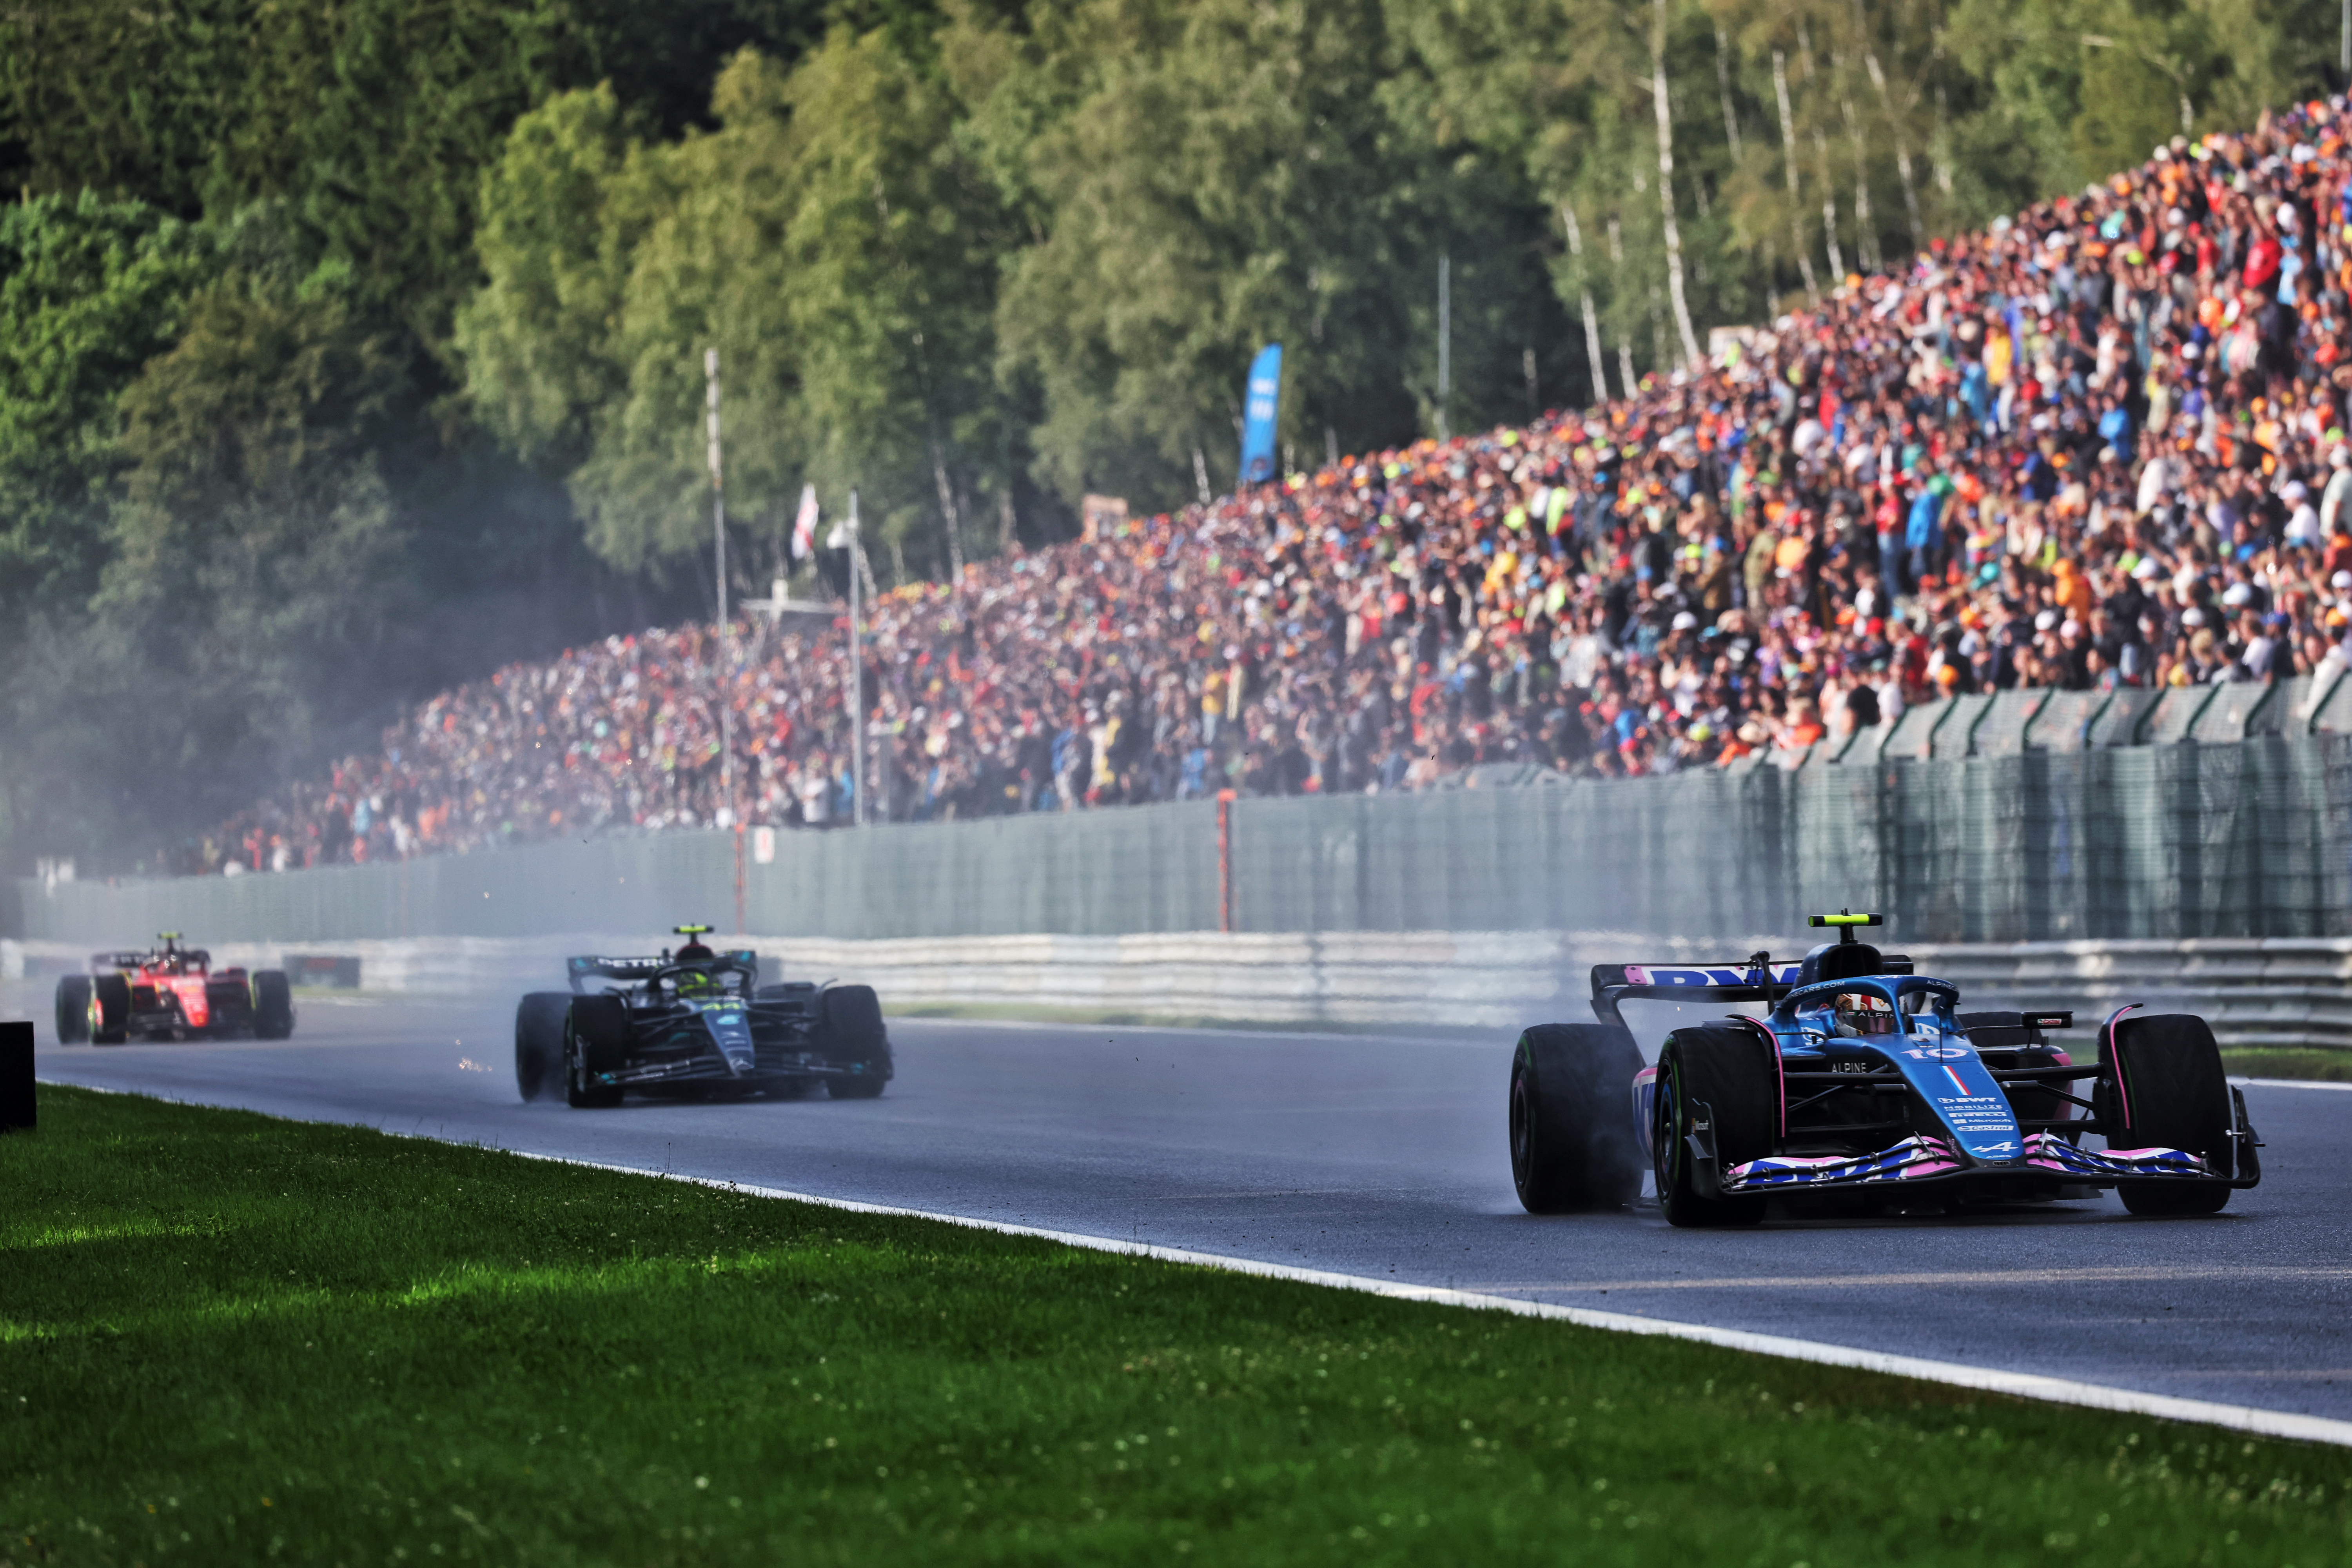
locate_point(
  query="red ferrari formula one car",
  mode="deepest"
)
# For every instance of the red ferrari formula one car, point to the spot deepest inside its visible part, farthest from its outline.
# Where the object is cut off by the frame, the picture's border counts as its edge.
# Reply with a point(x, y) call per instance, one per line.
point(171, 994)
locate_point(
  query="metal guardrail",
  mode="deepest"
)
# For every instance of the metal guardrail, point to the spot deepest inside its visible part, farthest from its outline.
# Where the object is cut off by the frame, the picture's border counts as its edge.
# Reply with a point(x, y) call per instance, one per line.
point(2255, 993)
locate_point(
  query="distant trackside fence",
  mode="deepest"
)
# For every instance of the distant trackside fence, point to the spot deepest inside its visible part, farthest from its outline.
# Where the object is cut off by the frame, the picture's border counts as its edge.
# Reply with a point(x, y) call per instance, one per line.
point(2002, 843)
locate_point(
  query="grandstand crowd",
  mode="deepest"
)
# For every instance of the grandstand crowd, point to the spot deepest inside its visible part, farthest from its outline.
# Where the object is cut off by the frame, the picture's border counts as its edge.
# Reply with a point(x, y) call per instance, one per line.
point(2103, 443)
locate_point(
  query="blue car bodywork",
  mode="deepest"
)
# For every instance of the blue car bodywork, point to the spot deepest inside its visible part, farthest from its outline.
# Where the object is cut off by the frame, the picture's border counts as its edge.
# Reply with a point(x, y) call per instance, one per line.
point(1978, 1104)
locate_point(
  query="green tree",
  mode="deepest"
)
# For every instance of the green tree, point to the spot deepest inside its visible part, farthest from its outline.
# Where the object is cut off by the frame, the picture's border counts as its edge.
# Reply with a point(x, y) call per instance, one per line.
point(89, 291)
point(372, 119)
point(830, 239)
point(1209, 178)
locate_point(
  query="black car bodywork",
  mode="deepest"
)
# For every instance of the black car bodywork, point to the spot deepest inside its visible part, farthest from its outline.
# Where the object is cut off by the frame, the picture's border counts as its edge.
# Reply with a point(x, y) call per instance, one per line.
point(696, 1023)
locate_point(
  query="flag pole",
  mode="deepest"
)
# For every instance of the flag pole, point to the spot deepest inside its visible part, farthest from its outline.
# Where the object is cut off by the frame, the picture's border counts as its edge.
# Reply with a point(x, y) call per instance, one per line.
point(856, 679)
point(719, 555)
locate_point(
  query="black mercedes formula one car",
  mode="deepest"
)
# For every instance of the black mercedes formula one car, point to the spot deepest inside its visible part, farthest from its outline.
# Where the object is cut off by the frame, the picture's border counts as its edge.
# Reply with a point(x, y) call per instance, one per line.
point(1861, 1083)
point(696, 1023)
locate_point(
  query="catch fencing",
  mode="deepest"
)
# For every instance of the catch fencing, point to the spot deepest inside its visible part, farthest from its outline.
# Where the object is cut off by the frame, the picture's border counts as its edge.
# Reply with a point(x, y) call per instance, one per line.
point(2035, 842)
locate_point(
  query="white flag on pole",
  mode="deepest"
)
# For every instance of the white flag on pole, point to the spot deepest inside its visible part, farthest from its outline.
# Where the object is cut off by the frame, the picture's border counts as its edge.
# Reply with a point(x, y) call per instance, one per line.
point(805, 525)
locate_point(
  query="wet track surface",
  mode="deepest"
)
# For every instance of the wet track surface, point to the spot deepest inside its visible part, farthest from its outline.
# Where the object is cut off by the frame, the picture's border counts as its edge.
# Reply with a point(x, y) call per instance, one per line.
point(1384, 1157)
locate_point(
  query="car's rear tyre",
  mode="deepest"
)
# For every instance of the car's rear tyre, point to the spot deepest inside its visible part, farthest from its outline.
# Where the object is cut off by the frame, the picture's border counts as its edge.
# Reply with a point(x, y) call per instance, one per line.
point(73, 1010)
point(851, 1035)
point(1728, 1069)
point(110, 1009)
point(1571, 1118)
point(539, 1042)
point(2165, 1088)
point(273, 1006)
point(596, 1040)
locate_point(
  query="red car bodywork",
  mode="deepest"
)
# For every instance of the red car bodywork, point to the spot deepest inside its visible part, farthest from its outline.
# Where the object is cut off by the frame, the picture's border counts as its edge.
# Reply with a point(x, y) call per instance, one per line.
point(175, 990)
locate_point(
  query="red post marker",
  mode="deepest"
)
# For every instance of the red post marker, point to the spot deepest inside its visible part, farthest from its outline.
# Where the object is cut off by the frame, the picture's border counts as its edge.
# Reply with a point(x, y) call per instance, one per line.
point(1224, 860)
point(738, 879)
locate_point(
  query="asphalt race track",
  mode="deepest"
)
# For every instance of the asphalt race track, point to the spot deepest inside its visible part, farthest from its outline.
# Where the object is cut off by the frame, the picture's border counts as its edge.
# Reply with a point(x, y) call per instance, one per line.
point(1378, 1156)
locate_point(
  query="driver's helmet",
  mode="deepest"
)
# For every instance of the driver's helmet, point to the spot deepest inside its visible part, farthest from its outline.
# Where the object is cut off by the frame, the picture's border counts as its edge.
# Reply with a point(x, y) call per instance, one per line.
point(696, 983)
point(1861, 1014)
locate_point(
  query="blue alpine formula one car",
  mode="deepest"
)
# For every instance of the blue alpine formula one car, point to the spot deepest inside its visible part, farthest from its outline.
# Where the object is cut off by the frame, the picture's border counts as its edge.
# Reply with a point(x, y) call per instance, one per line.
point(696, 1023)
point(1862, 1080)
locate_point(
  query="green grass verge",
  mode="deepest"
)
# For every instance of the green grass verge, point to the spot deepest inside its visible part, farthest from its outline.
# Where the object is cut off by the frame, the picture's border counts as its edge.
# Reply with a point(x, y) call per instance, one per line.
point(2256, 1061)
point(229, 1339)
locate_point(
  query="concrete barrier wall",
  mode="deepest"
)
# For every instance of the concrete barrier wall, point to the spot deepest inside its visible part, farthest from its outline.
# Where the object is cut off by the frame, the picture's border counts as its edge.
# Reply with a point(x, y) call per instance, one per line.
point(2279, 992)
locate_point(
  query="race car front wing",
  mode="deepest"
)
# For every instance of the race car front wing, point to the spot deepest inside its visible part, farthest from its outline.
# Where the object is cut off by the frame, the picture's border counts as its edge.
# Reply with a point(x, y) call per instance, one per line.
point(1925, 1158)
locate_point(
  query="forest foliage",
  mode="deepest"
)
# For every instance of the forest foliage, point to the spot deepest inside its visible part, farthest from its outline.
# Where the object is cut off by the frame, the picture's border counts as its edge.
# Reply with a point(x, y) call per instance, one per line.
point(350, 346)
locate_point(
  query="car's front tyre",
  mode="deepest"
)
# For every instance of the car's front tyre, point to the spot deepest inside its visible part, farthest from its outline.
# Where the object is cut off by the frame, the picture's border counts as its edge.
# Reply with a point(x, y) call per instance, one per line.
point(851, 1035)
point(273, 1006)
point(110, 1009)
point(1721, 1075)
point(73, 1010)
point(2165, 1089)
point(539, 1042)
point(595, 1041)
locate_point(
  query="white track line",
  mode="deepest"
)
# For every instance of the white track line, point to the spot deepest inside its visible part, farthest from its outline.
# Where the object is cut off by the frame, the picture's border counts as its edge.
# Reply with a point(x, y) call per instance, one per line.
point(1958, 1374)
point(1990, 1380)
point(2290, 1083)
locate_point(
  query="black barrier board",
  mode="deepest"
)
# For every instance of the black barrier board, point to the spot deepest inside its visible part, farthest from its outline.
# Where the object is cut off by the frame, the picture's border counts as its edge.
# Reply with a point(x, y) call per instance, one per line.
point(17, 1106)
point(322, 969)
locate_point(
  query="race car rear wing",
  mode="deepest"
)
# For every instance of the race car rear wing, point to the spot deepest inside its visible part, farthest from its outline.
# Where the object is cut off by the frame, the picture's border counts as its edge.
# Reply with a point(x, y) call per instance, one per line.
point(193, 957)
point(1616, 983)
point(638, 971)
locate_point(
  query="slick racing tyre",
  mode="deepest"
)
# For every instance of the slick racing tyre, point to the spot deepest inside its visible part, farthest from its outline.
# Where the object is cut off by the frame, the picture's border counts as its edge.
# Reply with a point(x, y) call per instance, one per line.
point(1723, 1074)
point(273, 1006)
point(596, 1040)
point(73, 1010)
point(2165, 1089)
point(539, 1042)
point(1572, 1144)
point(850, 1034)
point(110, 1009)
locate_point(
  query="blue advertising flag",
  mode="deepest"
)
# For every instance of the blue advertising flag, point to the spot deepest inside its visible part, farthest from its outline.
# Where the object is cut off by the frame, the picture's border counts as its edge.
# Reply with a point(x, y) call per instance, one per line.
point(1258, 415)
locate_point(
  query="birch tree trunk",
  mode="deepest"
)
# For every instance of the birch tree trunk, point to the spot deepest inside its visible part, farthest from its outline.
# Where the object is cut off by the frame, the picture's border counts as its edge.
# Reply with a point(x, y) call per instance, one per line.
point(1829, 210)
point(1723, 85)
point(949, 512)
point(1865, 236)
point(1584, 296)
point(1674, 285)
point(1617, 266)
point(1788, 164)
point(1902, 147)
point(1821, 156)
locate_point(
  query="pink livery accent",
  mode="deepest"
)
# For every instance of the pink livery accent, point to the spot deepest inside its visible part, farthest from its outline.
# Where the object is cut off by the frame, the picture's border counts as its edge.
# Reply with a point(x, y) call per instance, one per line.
point(1914, 1157)
point(2107, 1033)
point(2048, 1151)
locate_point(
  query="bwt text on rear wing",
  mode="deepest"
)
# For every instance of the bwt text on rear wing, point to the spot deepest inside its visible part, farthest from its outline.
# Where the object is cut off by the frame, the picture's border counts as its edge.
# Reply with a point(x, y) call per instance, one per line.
point(1728, 982)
